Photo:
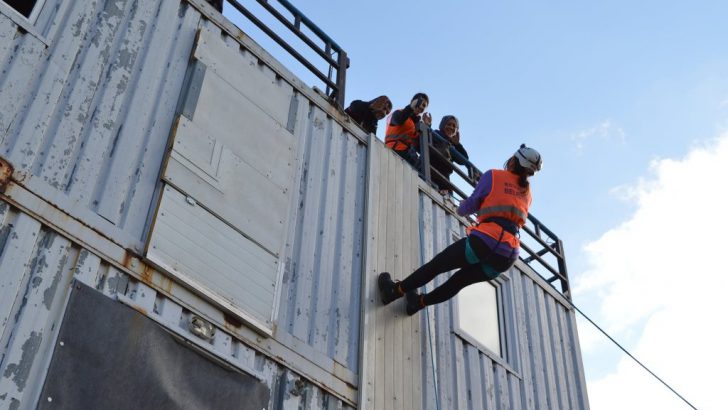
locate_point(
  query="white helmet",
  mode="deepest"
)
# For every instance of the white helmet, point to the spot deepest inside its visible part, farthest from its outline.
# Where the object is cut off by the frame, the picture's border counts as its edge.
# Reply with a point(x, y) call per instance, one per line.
point(529, 158)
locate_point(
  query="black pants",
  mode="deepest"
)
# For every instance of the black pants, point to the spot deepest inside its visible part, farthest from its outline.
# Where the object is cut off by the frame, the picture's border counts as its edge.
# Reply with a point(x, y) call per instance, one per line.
point(451, 258)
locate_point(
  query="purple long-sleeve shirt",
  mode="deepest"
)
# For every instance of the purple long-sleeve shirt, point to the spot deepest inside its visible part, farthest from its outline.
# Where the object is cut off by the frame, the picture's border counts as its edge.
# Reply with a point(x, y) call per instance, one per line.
point(471, 205)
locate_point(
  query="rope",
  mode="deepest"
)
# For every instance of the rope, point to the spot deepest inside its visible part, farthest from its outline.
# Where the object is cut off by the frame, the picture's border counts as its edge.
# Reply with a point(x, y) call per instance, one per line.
point(631, 356)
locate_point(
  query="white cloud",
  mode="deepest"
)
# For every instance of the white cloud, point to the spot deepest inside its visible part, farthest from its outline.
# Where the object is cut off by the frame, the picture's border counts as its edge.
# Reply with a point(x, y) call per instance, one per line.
point(605, 131)
point(664, 269)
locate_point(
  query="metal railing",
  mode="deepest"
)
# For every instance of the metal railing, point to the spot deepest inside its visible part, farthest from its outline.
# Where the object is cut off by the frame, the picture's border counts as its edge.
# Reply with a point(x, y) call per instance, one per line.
point(543, 251)
point(330, 52)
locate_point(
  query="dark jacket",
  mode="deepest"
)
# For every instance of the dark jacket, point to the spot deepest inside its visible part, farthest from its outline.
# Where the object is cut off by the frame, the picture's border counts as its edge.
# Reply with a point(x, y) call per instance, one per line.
point(451, 152)
point(361, 112)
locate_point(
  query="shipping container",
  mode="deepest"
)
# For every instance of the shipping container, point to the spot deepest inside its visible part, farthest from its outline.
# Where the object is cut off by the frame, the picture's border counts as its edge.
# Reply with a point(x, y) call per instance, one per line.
point(184, 223)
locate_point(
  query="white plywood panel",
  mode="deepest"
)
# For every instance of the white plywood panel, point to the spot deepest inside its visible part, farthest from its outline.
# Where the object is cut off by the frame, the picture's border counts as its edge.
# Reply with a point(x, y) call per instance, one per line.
point(245, 73)
point(206, 253)
point(234, 120)
point(211, 172)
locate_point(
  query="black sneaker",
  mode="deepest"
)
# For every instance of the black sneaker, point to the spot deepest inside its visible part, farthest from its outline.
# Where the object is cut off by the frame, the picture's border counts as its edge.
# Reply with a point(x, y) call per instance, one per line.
point(388, 291)
point(414, 302)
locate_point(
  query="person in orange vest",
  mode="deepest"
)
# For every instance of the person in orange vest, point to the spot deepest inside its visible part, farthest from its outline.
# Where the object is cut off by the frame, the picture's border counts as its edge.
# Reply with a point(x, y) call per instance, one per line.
point(402, 135)
point(501, 201)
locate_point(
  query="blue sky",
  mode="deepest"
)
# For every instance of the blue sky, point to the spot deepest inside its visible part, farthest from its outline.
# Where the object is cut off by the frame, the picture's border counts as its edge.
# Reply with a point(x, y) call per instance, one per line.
point(624, 99)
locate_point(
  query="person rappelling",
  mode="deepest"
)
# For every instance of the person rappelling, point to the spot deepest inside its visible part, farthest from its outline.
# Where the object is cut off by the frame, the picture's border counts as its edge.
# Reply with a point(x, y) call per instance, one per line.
point(500, 201)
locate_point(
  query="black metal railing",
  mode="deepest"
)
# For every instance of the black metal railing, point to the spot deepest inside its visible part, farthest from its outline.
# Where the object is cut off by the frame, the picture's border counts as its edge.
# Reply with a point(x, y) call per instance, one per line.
point(331, 53)
point(543, 251)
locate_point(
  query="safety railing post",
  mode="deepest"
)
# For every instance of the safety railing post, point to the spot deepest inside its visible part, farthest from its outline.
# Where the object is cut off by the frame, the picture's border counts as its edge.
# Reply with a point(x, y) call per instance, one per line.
point(343, 62)
point(565, 288)
point(425, 140)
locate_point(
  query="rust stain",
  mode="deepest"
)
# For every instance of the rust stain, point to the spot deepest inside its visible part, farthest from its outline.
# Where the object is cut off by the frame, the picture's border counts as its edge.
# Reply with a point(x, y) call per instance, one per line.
point(128, 257)
point(6, 173)
point(146, 275)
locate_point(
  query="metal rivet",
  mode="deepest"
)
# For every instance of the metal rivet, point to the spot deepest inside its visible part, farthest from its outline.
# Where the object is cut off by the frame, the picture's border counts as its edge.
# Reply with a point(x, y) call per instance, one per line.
point(62, 344)
point(50, 399)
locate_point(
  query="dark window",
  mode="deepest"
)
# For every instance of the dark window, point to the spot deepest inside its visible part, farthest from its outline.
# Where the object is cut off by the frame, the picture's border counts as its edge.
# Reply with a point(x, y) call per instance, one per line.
point(24, 7)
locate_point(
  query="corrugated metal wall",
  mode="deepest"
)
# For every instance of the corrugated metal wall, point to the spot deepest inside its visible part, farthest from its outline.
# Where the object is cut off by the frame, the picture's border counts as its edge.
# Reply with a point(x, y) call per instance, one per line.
point(37, 267)
point(391, 352)
point(320, 301)
point(85, 119)
point(86, 114)
point(545, 369)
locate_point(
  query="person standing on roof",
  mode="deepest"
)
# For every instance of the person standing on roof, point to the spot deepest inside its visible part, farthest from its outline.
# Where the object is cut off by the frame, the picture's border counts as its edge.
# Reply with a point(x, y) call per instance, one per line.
point(368, 113)
point(402, 135)
point(446, 149)
point(501, 201)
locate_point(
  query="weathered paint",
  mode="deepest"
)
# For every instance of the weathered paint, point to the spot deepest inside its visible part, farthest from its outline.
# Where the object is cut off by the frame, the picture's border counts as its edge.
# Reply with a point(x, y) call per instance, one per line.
point(83, 124)
point(29, 339)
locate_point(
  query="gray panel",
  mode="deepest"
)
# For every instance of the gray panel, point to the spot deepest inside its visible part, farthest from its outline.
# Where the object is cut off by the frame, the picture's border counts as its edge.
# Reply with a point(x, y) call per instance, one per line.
point(84, 125)
point(324, 253)
point(110, 350)
point(206, 253)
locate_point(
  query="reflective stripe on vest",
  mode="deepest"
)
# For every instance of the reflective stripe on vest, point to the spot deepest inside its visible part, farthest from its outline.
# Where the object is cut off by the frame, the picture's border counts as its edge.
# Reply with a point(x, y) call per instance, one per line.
point(502, 209)
point(400, 137)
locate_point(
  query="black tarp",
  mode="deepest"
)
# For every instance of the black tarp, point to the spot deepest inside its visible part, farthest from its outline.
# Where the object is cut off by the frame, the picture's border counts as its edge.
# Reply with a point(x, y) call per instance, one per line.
point(109, 356)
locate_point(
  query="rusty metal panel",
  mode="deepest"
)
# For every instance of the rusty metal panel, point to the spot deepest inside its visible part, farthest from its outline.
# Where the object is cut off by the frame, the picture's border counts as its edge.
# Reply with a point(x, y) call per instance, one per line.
point(543, 367)
point(47, 264)
point(83, 124)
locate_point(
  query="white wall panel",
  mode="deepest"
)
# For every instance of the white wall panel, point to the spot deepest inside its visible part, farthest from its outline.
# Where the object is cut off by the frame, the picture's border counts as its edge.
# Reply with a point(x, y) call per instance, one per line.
point(210, 170)
point(391, 345)
point(206, 253)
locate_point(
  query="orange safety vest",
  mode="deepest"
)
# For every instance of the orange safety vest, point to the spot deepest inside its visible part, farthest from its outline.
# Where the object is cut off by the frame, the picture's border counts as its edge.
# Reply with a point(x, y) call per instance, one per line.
point(507, 200)
point(401, 137)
